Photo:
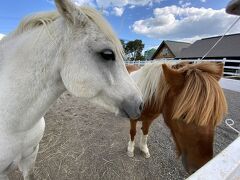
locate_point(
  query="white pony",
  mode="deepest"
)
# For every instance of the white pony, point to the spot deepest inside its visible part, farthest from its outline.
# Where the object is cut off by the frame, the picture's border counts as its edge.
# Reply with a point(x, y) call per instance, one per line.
point(73, 49)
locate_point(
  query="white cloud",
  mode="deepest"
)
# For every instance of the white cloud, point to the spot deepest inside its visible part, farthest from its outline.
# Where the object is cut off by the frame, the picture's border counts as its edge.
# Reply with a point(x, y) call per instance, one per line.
point(122, 3)
point(84, 2)
point(118, 11)
point(105, 12)
point(115, 7)
point(103, 4)
point(1, 36)
point(79, 2)
point(203, 1)
point(132, 6)
point(191, 39)
point(184, 4)
point(178, 23)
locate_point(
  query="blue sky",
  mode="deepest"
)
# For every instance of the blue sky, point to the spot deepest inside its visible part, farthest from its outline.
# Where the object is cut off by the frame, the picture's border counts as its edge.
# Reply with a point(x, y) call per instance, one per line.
point(149, 20)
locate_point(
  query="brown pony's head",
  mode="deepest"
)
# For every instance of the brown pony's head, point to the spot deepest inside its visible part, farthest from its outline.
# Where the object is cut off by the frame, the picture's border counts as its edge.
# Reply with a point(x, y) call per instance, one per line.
point(193, 106)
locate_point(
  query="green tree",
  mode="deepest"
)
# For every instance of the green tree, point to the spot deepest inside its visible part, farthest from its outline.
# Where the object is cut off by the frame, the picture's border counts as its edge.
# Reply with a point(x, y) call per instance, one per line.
point(140, 57)
point(134, 49)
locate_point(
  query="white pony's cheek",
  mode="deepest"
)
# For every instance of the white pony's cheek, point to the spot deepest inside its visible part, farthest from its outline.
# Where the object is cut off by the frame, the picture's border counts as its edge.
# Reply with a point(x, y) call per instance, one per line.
point(92, 87)
point(106, 106)
point(77, 85)
point(80, 90)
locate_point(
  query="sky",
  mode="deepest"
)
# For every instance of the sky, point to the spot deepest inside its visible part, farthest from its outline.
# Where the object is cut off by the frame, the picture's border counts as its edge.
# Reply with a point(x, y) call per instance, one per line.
point(152, 21)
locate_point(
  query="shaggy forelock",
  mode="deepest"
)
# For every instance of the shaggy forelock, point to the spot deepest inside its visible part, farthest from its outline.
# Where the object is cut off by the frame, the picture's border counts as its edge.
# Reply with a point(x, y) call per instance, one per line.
point(152, 85)
point(202, 100)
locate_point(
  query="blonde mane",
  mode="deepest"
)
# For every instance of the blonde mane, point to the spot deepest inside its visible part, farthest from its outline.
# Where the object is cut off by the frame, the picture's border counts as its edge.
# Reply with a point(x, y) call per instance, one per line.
point(46, 18)
point(152, 84)
point(36, 20)
point(202, 100)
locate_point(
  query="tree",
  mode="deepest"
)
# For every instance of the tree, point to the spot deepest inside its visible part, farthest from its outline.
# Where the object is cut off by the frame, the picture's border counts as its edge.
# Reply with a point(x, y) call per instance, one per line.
point(134, 49)
point(123, 44)
point(140, 57)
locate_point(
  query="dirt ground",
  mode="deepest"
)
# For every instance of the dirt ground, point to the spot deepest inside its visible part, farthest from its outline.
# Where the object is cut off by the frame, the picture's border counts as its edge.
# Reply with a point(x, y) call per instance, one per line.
point(84, 142)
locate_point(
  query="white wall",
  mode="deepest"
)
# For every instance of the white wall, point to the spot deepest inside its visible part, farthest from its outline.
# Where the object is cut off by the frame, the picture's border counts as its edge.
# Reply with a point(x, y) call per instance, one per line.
point(1, 36)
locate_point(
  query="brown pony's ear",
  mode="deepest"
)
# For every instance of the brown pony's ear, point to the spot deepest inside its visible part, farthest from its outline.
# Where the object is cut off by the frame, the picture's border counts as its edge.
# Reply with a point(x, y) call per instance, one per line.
point(219, 71)
point(174, 78)
point(215, 69)
point(181, 64)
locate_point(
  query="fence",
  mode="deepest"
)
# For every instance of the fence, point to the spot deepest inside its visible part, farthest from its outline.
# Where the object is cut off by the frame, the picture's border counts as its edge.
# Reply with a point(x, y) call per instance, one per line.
point(231, 66)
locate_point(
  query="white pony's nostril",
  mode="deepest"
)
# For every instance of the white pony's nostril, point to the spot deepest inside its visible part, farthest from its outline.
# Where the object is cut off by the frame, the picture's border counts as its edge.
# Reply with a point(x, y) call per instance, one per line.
point(141, 107)
point(132, 107)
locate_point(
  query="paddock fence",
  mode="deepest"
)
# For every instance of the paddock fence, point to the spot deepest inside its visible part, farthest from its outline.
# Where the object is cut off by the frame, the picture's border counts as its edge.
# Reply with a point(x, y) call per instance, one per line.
point(231, 66)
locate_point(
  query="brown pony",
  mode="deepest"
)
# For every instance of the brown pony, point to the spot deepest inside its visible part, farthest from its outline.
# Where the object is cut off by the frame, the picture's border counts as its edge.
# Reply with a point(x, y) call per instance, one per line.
point(132, 67)
point(192, 104)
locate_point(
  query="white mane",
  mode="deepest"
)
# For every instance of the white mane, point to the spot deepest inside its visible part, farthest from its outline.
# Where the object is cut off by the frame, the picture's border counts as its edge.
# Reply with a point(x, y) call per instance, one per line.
point(148, 81)
point(45, 18)
point(35, 21)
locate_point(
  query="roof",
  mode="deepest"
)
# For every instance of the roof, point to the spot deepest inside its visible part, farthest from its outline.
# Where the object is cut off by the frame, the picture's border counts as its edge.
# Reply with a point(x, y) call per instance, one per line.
point(229, 46)
point(174, 46)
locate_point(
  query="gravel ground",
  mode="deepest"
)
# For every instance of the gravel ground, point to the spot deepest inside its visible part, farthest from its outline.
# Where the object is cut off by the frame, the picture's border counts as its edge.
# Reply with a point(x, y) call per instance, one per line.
point(84, 142)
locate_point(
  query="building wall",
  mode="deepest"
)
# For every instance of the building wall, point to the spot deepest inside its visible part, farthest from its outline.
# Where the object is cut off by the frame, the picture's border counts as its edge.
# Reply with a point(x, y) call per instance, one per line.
point(164, 53)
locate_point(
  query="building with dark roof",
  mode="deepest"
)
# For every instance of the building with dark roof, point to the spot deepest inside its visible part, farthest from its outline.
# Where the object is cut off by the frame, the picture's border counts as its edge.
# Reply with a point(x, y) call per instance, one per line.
point(169, 49)
point(228, 47)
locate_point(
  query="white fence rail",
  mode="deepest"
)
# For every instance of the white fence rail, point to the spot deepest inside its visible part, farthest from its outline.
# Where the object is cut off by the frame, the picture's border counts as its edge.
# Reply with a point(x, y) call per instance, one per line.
point(231, 66)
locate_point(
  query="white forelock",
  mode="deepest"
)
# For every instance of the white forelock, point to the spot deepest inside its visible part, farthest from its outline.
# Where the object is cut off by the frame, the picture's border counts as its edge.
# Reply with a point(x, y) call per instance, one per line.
point(148, 79)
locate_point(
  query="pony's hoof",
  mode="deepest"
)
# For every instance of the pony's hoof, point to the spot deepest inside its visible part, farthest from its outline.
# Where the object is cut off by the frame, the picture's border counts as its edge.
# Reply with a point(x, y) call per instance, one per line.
point(130, 154)
point(145, 152)
point(30, 177)
point(146, 155)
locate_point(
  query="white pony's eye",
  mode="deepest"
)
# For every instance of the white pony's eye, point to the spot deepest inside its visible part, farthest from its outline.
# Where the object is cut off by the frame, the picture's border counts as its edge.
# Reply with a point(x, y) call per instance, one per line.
point(108, 55)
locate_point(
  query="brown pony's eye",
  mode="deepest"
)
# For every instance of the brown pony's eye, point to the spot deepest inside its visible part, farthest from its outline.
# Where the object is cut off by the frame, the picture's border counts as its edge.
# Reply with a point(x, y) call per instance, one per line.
point(108, 55)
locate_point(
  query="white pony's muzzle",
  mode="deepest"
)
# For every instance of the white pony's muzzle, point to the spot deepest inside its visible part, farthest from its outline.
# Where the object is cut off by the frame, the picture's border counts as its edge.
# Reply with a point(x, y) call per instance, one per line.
point(132, 107)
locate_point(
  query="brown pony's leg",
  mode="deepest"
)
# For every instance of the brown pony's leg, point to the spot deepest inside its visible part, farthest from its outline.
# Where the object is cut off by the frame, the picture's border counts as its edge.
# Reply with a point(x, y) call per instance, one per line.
point(131, 143)
point(145, 125)
point(143, 142)
point(133, 129)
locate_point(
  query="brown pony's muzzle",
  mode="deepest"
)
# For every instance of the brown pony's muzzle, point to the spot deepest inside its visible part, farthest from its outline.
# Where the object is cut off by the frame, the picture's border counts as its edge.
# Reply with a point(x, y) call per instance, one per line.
point(189, 169)
point(192, 166)
point(132, 107)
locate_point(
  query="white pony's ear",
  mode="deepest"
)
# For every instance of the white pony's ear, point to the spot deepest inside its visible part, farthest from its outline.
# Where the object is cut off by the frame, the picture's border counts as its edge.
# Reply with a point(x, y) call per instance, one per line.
point(70, 12)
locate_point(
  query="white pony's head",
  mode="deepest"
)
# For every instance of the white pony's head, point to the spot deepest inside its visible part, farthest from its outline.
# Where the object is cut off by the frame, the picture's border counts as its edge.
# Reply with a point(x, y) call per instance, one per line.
point(92, 61)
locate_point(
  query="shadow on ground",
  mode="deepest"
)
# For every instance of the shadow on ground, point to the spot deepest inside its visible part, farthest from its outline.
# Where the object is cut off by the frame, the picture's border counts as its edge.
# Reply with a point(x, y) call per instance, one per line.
point(83, 141)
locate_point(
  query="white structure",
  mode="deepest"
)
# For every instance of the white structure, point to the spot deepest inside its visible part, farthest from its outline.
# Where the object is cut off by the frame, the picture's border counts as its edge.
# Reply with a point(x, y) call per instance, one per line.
point(230, 84)
point(235, 69)
point(1, 36)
